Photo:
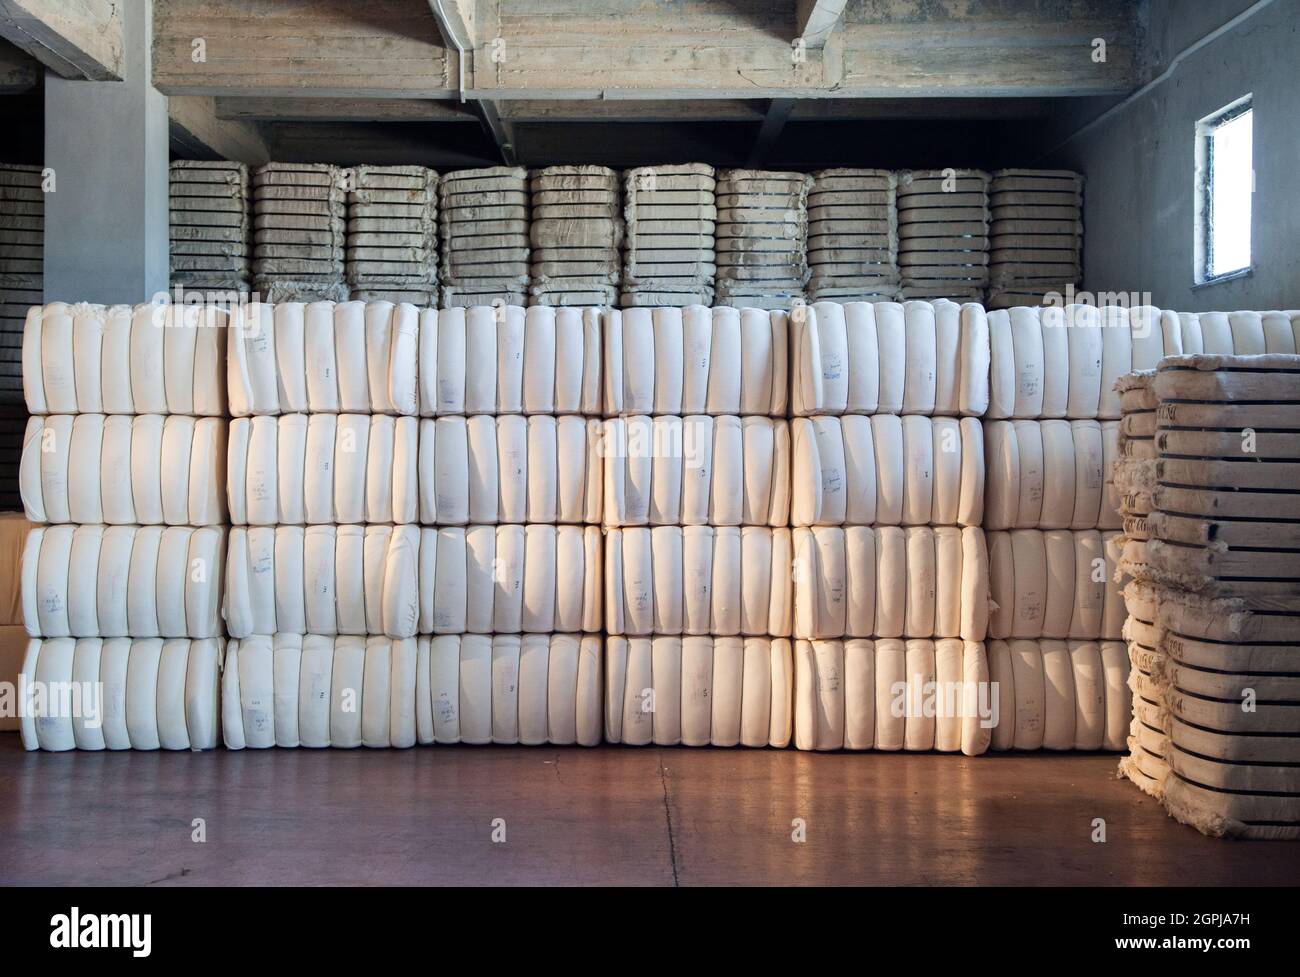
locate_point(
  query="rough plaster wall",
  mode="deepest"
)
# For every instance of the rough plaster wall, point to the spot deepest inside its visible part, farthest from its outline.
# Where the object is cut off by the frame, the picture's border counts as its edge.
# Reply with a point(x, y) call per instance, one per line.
point(1139, 204)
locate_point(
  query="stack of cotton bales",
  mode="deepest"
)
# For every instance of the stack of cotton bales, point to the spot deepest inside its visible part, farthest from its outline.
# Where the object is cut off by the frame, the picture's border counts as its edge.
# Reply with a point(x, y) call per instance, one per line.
point(392, 234)
point(1224, 566)
point(510, 502)
point(887, 497)
point(671, 214)
point(1134, 477)
point(322, 591)
point(483, 219)
point(853, 235)
point(762, 238)
point(210, 217)
point(1037, 235)
point(576, 235)
point(299, 220)
point(123, 465)
point(698, 595)
point(943, 234)
point(22, 257)
point(1052, 515)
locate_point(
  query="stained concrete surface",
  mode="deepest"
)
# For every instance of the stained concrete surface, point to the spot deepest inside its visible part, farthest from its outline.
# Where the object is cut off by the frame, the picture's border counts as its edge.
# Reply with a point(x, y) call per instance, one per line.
point(604, 816)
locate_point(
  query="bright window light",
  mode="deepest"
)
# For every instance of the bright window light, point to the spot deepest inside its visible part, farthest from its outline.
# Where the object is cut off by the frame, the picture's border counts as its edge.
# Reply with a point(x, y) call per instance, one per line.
point(1226, 183)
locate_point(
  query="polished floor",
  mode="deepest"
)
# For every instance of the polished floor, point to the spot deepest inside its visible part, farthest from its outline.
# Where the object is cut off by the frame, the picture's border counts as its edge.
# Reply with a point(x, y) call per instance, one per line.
point(611, 815)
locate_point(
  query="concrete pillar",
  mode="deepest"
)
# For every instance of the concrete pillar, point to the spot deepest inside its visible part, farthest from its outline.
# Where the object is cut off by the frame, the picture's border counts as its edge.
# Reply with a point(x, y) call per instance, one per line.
point(106, 222)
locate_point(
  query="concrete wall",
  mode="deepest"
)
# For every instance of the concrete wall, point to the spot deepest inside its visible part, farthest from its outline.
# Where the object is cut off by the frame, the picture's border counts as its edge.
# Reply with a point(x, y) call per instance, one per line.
point(1139, 200)
point(106, 234)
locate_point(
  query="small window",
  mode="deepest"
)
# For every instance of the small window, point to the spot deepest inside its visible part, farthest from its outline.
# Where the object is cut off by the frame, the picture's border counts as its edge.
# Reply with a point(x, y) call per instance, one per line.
point(1225, 184)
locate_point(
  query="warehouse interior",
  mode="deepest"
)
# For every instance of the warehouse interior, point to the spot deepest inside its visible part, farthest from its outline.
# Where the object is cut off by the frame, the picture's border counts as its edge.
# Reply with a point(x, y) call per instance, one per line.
point(488, 258)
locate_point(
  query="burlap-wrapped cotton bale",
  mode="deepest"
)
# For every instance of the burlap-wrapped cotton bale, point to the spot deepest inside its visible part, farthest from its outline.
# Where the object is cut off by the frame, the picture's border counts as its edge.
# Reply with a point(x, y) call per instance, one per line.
point(853, 235)
point(1036, 235)
point(943, 234)
point(669, 257)
point(761, 239)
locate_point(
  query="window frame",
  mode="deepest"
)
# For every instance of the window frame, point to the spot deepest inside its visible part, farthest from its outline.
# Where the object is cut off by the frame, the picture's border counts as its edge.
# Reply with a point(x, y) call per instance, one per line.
point(1204, 194)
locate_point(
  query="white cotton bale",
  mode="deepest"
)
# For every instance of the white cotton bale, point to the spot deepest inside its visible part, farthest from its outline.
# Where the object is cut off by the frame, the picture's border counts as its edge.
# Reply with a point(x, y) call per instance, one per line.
point(251, 368)
point(1116, 358)
point(1089, 473)
point(1031, 694)
point(696, 468)
point(255, 665)
point(1084, 342)
point(315, 674)
point(697, 692)
point(669, 358)
point(320, 363)
point(727, 484)
point(1002, 458)
point(538, 389)
point(286, 668)
point(921, 369)
point(376, 721)
point(291, 467)
point(539, 579)
point(758, 370)
point(726, 360)
point(726, 591)
point(83, 478)
point(946, 455)
point(975, 586)
point(756, 692)
point(979, 704)
point(115, 361)
point(350, 578)
point(975, 358)
point(1002, 695)
point(1090, 587)
point(320, 472)
point(970, 498)
point(890, 693)
point(892, 355)
point(1027, 342)
point(1030, 574)
point(697, 352)
point(379, 469)
point(1089, 695)
point(920, 726)
point(353, 364)
point(949, 563)
point(469, 486)
point(543, 474)
point(1059, 705)
point(444, 686)
point(948, 678)
point(509, 471)
point(87, 725)
point(891, 466)
point(510, 324)
point(112, 580)
point(480, 593)
point(261, 472)
point(320, 581)
point(1056, 362)
point(290, 607)
point(922, 574)
point(918, 470)
point(54, 447)
point(508, 582)
point(1061, 454)
point(1058, 548)
point(83, 567)
point(347, 692)
point(638, 364)
point(892, 584)
point(666, 685)
point(149, 361)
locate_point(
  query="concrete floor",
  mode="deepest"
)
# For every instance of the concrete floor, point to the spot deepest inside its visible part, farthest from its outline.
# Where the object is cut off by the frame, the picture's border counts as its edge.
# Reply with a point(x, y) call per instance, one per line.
point(610, 815)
